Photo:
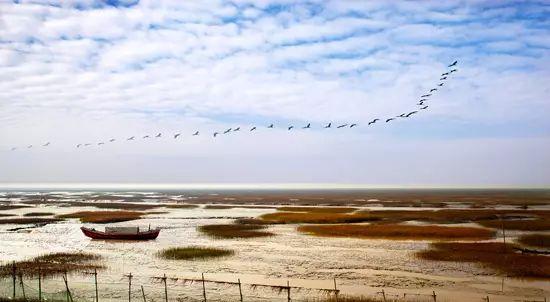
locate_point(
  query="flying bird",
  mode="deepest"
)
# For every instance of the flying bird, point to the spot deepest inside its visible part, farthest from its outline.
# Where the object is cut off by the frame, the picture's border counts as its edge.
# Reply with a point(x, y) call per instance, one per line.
point(290, 128)
point(29, 146)
point(101, 143)
point(423, 100)
point(401, 115)
point(390, 119)
point(253, 128)
point(146, 136)
point(374, 121)
point(454, 70)
point(426, 95)
point(177, 135)
point(158, 135)
point(112, 140)
point(131, 138)
point(270, 126)
point(215, 133)
point(227, 131)
point(342, 126)
point(86, 145)
point(420, 103)
point(433, 89)
point(453, 64)
point(328, 125)
point(237, 129)
point(196, 133)
point(46, 144)
point(445, 74)
point(440, 84)
point(352, 125)
point(410, 113)
point(443, 78)
point(307, 126)
point(14, 148)
point(78, 146)
point(425, 107)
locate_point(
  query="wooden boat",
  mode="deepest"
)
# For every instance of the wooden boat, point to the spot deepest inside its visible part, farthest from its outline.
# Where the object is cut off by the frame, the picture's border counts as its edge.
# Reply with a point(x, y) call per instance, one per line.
point(121, 233)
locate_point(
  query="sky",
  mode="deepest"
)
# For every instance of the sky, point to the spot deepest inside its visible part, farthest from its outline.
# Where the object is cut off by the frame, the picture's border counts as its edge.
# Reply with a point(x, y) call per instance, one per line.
point(77, 72)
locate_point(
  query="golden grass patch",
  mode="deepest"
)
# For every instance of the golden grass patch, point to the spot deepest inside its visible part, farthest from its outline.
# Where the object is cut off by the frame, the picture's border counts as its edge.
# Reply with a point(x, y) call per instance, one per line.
point(54, 264)
point(231, 231)
point(397, 231)
point(193, 252)
point(309, 217)
point(317, 209)
point(494, 255)
point(104, 216)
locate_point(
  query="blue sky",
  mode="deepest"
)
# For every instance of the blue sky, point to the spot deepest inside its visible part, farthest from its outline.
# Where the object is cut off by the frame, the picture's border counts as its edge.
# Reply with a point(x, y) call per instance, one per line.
point(85, 71)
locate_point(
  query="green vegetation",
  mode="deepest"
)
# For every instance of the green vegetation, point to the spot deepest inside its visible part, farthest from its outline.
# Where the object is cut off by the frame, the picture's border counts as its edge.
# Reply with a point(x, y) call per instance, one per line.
point(535, 240)
point(38, 214)
point(397, 231)
point(104, 216)
point(54, 264)
point(494, 255)
point(232, 231)
point(193, 252)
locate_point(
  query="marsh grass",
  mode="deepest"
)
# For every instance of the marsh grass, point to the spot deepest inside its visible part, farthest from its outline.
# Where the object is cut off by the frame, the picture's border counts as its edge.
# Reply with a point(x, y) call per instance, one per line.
point(54, 264)
point(519, 225)
point(310, 217)
point(193, 252)
point(497, 256)
point(232, 231)
point(38, 214)
point(181, 206)
point(347, 298)
point(317, 209)
point(29, 220)
point(116, 205)
point(397, 231)
point(535, 240)
point(104, 216)
point(4, 207)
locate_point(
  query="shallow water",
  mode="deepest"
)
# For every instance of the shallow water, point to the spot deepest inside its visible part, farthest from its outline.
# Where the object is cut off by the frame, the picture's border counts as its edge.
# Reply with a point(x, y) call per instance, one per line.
point(360, 266)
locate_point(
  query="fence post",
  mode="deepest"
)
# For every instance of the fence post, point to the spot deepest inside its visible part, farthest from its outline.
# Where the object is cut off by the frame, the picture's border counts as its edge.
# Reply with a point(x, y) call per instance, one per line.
point(240, 290)
point(335, 290)
point(69, 296)
point(384, 295)
point(96, 291)
point(433, 295)
point(129, 287)
point(288, 290)
point(13, 277)
point(203, 288)
point(143, 294)
point(165, 288)
point(39, 284)
point(22, 286)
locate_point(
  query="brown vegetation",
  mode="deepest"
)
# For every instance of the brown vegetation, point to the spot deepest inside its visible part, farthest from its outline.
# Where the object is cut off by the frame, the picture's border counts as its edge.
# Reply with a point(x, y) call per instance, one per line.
point(520, 225)
point(116, 205)
point(4, 207)
point(231, 231)
point(181, 206)
point(317, 209)
point(29, 220)
point(104, 216)
point(347, 298)
point(53, 264)
point(494, 255)
point(191, 253)
point(535, 240)
point(397, 231)
point(309, 217)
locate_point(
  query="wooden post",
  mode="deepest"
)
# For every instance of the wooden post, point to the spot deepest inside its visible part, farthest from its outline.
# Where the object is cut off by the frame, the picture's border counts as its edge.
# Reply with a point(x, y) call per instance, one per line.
point(240, 290)
point(22, 286)
point(129, 287)
point(503, 233)
point(39, 285)
point(14, 277)
point(96, 291)
point(384, 295)
point(203, 288)
point(69, 296)
point(487, 298)
point(288, 290)
point(143, 294)
point(433, 295)
point(165, 288)
point(335, 291)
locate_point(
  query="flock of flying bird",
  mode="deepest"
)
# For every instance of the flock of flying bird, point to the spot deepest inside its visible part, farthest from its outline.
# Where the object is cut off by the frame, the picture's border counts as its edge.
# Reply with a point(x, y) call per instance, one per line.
point(421, 106)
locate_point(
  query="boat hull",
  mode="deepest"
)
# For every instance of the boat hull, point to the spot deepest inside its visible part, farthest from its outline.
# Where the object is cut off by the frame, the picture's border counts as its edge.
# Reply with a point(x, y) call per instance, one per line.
point(94, 234)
